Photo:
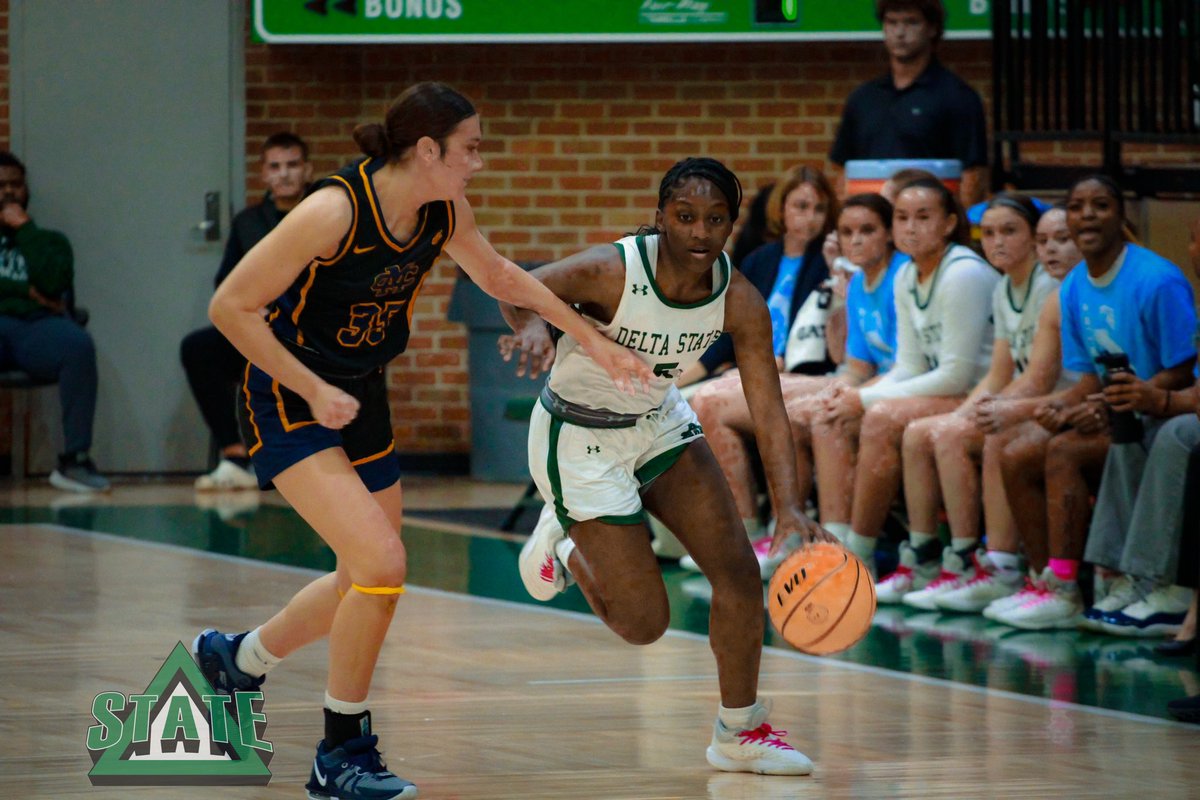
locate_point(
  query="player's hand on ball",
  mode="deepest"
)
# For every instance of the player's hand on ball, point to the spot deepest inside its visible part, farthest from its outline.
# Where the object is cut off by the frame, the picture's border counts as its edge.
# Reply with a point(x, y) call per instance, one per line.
point(794, 521)
point(333, 408)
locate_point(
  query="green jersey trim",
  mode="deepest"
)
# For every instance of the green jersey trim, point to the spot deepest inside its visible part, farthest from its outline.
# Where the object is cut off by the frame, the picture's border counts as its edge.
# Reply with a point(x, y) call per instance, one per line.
point(560, 508)
point(622, 519)
point(722, 260)
point(1008, 290)
point(659, 464)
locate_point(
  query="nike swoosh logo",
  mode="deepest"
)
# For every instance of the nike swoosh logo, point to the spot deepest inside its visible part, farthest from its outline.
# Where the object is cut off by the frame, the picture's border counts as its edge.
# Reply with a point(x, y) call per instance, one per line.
point(317, 769)
point(360, 250)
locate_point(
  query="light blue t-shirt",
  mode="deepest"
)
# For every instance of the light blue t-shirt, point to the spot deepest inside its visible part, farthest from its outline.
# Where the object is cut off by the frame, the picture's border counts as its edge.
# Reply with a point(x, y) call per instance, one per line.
point(1145, 311)
point(871, 318)
point(780, 301)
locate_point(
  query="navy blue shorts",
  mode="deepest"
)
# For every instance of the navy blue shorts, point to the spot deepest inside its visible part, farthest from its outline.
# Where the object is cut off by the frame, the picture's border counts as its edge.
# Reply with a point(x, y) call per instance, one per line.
point(279, 430)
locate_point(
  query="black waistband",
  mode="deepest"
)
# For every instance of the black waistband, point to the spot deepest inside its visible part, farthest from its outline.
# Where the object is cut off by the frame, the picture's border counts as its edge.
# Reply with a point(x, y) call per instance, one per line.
point(583, 416)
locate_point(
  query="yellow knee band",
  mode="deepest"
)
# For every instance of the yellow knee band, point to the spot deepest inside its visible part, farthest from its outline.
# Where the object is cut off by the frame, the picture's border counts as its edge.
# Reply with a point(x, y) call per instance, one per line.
point(377, 589)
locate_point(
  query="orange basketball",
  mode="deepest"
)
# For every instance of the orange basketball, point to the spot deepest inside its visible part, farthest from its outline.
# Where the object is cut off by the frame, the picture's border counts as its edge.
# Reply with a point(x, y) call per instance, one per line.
point(821, 599)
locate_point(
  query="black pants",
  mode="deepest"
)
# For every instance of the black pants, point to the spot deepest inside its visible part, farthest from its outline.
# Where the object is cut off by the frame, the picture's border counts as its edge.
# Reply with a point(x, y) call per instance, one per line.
point(214, 370)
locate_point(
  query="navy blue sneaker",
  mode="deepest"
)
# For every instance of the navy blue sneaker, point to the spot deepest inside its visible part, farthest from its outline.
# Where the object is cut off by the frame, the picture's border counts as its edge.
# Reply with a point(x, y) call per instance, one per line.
point(355, 771)
point(1185, 709)
point(1159, 613)
point(215, 653)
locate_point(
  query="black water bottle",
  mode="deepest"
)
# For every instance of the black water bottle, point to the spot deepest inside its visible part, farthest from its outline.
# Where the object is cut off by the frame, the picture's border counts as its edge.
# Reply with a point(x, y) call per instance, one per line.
point(1125, 427)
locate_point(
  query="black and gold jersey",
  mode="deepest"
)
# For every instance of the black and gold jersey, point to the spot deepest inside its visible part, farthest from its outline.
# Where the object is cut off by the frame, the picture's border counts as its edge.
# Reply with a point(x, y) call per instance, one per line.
point(351, 314)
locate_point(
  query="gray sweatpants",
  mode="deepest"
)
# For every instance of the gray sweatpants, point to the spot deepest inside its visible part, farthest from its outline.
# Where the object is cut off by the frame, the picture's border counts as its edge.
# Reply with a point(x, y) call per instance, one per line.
point(1138, 520)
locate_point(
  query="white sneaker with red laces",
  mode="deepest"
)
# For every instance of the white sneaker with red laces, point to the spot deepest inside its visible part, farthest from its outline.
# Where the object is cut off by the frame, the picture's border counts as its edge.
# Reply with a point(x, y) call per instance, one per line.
point(1057, 606)
point(909, 576)
point(956, 571)
point(542, 573)
point(756, 748)
point(1001, 605)
point(987, 585)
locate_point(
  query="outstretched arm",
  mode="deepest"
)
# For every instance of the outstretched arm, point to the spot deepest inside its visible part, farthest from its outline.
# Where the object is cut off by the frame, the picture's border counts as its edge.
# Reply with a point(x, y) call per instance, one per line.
point(508, 283)
point(592, 280)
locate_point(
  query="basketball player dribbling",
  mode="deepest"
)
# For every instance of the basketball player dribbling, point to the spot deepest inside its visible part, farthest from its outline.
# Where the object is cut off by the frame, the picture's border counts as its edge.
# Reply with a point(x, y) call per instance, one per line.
point(600, 457)
point(338, 277)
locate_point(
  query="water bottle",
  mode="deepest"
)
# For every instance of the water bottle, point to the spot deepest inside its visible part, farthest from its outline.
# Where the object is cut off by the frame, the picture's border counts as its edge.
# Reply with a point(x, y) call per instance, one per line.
point(1125, 427)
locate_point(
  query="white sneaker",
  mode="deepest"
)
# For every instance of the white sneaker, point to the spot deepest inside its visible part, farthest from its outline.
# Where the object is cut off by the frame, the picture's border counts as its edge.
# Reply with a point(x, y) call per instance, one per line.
point(664, 544)
point(767, 564)
point(909, 576)
point(228, 476)
point(697, 588)
point(1121, 591)
point(1002, 605)
point(1057, 606)
point(542, 573)
point(1160, 613)
point(954, 573)
point(987, 585)
point(756, 748)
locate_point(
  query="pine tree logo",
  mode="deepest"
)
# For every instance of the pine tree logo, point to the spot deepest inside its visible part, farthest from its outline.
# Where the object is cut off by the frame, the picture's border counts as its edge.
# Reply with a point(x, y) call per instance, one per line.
point(178, 732)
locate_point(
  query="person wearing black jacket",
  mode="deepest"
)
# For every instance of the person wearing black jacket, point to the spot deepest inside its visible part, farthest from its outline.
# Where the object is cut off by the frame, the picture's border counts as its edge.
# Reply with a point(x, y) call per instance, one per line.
point(214, 367)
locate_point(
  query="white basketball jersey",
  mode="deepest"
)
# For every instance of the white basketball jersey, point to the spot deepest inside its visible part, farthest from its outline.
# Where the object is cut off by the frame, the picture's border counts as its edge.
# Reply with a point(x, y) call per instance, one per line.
point(668, 336)
point(930, 313)
point(1016, 316)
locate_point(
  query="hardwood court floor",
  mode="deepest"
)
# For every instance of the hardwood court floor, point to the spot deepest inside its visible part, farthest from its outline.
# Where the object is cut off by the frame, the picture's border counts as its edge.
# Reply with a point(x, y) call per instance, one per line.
point(485, 699)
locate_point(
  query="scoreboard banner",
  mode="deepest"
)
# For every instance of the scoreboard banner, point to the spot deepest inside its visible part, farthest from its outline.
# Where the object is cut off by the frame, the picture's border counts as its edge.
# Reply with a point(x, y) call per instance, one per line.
point(414, 21)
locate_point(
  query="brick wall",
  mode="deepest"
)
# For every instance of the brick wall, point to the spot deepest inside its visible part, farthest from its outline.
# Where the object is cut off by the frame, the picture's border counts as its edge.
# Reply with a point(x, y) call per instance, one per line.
point(577, 137)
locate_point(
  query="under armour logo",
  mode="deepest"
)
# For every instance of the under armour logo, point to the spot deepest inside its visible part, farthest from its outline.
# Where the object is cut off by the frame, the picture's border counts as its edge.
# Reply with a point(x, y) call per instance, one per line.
point(591, 449)
point(641, 288)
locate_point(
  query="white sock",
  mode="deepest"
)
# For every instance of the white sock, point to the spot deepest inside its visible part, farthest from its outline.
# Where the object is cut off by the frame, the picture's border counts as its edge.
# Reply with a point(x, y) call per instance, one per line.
point(736, 719)
point(563, 550)
point(964, 543)
point(1007, 563)
point(918, 538)
point(343, 707)
point(861, 546)
point(839, 529)
point(253, 658)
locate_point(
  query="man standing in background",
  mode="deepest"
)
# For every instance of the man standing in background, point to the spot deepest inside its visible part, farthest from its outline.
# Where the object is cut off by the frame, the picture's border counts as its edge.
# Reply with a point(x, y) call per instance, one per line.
point(919, 109)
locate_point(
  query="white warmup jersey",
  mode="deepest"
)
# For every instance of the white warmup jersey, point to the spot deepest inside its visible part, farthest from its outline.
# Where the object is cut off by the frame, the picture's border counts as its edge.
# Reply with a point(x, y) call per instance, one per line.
point(944, 329)
point(668, 336)
point(1016, 311)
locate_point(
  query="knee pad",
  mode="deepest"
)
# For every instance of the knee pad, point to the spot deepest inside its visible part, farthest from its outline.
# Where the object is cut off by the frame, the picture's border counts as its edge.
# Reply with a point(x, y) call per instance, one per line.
point(385, 590)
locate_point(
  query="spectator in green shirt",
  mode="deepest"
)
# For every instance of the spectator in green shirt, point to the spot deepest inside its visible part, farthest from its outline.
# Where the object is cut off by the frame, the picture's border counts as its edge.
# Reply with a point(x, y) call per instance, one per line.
point(37, 334)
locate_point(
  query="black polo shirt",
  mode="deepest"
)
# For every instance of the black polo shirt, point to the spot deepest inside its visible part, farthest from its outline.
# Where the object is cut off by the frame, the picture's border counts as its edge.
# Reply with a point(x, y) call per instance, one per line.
point(937, 116)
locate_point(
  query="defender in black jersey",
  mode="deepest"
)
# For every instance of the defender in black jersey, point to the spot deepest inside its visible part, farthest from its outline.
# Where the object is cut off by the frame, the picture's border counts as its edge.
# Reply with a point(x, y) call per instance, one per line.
point(345, 318)
point(337, 279)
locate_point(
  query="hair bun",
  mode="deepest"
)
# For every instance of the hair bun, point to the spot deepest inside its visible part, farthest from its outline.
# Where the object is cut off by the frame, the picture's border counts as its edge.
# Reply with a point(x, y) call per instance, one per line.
point(372, 139)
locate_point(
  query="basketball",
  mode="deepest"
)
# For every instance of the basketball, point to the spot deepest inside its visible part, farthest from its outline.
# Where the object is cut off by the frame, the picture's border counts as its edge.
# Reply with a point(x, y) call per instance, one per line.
point(821, 599)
